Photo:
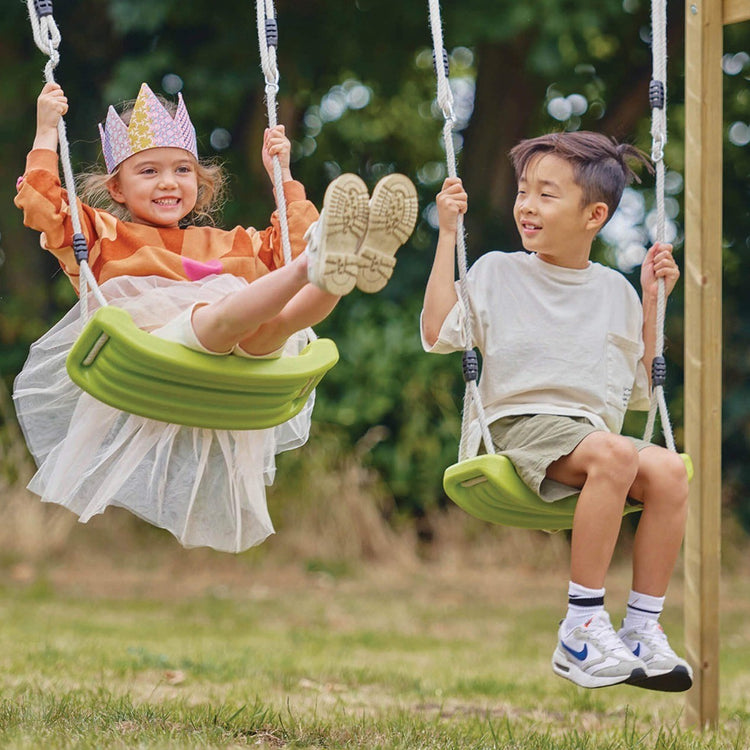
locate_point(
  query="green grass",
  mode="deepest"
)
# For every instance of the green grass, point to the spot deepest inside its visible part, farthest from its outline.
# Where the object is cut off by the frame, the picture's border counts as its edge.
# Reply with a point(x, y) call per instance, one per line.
point(424, 657)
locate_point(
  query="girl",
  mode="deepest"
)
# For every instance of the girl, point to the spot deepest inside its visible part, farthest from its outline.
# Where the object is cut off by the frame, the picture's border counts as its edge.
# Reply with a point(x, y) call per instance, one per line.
point(209, 289)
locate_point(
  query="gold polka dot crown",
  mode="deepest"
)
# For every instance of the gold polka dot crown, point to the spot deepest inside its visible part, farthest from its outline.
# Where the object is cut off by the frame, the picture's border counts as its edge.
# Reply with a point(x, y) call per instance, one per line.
point(151, 126)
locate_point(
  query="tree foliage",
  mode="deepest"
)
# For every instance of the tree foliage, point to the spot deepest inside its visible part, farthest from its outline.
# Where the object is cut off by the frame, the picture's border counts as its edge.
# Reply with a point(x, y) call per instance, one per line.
point(357, 94)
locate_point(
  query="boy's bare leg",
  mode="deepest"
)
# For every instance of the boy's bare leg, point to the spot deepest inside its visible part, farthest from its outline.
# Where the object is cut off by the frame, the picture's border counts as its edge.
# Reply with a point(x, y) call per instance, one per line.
point(604, 465)
point(662, 486)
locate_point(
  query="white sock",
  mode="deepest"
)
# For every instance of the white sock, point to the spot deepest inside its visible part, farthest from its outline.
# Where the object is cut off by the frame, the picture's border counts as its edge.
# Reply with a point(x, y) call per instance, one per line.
point(583, 604)
point(642, 607)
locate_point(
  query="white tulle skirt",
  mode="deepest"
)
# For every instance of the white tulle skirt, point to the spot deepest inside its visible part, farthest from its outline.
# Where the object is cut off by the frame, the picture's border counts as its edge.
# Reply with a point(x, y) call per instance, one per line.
point(207, 487)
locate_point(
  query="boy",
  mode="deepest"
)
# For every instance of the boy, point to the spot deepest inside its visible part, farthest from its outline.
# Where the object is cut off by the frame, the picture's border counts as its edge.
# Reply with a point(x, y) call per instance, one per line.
point(567, 348)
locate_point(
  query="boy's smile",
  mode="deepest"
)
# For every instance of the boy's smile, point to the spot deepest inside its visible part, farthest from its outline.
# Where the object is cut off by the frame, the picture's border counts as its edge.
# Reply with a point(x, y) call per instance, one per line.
point(550, 214)
point(159, 186)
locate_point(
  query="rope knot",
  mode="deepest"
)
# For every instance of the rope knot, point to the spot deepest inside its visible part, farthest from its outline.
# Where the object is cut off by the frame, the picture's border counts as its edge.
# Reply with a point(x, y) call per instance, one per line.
point(657, 146)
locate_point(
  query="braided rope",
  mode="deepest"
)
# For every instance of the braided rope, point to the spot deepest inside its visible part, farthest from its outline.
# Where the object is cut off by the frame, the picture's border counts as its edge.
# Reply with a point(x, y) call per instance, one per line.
point(47, 37)
point(267, 30)
point(445, 101)
point(659, 139)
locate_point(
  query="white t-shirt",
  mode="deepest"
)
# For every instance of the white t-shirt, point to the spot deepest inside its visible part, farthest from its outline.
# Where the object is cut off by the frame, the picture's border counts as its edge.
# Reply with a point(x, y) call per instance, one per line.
point(553, 340)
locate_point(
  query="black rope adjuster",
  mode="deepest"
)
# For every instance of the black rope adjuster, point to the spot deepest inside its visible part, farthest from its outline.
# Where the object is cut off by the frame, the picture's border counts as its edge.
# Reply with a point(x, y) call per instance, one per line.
point(446, 63)
point(656, 94)
point(43, 8)
point(658, 371)
point(470, 364)
point(80, 248)
point(272, 32)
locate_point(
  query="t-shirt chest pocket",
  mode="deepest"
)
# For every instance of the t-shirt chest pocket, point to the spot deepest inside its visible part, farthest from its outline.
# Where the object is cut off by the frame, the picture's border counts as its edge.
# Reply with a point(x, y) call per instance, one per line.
point(622, 361)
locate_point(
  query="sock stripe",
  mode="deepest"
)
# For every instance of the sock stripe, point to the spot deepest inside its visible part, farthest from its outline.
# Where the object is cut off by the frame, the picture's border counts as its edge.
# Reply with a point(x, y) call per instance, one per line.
point(583, 601)
point(643, 609)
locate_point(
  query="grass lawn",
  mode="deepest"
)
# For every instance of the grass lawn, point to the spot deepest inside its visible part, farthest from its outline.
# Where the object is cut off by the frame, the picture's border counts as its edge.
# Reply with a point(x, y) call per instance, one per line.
point(196, 650)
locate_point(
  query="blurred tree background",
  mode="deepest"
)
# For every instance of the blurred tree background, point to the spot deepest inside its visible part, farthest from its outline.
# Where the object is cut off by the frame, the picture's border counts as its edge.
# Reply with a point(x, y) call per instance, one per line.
point(357, 94)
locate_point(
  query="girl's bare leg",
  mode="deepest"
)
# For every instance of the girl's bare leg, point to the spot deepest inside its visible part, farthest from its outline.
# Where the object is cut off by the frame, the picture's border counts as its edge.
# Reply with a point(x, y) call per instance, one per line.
point(220, 325)
point(307, 308)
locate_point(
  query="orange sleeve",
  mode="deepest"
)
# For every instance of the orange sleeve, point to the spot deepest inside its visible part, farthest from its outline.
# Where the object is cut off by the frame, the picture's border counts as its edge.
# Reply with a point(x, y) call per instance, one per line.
point(45, 208)
point(300, 214)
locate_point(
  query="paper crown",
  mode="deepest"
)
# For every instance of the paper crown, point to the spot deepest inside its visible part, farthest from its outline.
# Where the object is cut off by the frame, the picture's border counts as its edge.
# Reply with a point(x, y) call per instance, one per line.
point(151, 126)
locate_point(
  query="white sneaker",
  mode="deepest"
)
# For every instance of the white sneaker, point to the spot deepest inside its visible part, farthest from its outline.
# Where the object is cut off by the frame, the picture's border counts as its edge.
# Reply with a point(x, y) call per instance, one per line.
point(592, 655)
point(332, 240)
point(664, 669)
point(393, 215)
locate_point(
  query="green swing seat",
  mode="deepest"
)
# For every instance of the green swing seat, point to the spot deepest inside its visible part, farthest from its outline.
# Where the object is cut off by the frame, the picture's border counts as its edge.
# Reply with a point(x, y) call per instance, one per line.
point(488, 487)
point(125, 367)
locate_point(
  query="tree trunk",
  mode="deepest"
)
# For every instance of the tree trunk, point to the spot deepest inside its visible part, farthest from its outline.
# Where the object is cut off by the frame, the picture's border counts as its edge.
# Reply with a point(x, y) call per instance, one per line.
point(506, 101)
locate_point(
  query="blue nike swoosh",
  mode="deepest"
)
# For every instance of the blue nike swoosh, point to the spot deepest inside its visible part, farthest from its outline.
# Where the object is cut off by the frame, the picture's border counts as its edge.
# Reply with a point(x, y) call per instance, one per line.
point(637, 650)
point(580, 655)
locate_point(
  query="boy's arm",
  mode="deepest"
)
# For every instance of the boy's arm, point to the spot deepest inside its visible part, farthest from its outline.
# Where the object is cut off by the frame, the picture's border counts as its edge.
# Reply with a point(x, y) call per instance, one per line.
point(440, 295)
point(658, 264)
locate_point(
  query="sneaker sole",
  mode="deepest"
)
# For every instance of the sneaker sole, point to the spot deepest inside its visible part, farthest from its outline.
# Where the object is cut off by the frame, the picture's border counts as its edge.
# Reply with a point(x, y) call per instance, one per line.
point(393, 216)
point(676, 681)
point(345, 215)
point(562, 667)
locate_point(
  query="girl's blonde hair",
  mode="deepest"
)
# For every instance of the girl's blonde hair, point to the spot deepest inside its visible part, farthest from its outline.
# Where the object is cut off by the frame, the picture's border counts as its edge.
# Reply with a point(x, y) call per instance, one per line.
point(92, 185)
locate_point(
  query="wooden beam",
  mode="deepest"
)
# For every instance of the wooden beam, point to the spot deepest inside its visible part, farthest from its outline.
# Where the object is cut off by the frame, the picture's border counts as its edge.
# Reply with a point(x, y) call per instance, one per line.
point(736, 11)
point(703, 326)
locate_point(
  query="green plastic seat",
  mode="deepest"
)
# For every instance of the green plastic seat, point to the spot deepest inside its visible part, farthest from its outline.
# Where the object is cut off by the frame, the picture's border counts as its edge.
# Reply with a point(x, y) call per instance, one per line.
point(128, 368)
point(488, 487)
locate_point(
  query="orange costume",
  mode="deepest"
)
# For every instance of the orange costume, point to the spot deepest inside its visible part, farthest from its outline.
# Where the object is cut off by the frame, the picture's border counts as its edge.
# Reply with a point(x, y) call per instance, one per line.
point(207, 487)
point(124, 248)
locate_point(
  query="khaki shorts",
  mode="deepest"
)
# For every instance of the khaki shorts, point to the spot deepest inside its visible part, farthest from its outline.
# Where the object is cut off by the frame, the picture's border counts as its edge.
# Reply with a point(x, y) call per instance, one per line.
point(534, 441)
point(181, 331)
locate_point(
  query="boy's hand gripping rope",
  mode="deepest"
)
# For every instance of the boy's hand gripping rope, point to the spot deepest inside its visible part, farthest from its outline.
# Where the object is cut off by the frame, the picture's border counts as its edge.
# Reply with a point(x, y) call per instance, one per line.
point(470, 362)
point(658, 102)
point(47, 37)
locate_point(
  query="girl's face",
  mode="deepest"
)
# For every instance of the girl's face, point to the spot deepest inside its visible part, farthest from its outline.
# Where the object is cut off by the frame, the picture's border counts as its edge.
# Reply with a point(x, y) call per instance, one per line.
point(159, 186)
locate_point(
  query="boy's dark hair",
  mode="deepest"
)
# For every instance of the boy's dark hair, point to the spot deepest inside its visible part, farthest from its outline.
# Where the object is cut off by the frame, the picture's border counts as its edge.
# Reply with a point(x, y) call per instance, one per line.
point(600, 164)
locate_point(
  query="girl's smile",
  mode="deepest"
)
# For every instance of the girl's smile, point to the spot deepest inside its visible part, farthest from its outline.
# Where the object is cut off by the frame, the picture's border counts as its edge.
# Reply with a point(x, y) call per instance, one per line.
point(159, 186)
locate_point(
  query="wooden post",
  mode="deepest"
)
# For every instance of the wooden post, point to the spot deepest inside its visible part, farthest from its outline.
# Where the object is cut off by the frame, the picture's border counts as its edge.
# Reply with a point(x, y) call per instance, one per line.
point(703, 325)
point(705, 21)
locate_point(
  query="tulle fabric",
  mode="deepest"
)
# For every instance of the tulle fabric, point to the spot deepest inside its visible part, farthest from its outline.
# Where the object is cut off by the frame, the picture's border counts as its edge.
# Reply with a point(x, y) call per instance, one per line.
point(207, 487)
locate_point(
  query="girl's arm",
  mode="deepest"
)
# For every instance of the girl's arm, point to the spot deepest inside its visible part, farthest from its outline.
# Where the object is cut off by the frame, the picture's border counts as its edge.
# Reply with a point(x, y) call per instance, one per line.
point(51, 105)
point(440, 294)
point(275, 143)
point(658, 263)
point(40, 195)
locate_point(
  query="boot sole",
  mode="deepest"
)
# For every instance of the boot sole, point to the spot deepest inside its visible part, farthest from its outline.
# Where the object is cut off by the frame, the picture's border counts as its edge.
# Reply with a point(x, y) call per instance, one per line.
point(393, 216)
point(345, 216)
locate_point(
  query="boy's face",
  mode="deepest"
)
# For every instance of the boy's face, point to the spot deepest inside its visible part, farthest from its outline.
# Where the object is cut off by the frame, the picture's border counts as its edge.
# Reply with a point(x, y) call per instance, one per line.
point(158, 186)
point(550, 215)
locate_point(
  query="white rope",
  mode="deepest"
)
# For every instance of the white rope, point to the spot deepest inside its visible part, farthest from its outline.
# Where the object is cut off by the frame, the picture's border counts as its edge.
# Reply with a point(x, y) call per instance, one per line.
point(47, 37)
point(265, 12)
point(445, 101)
point(658, 141)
